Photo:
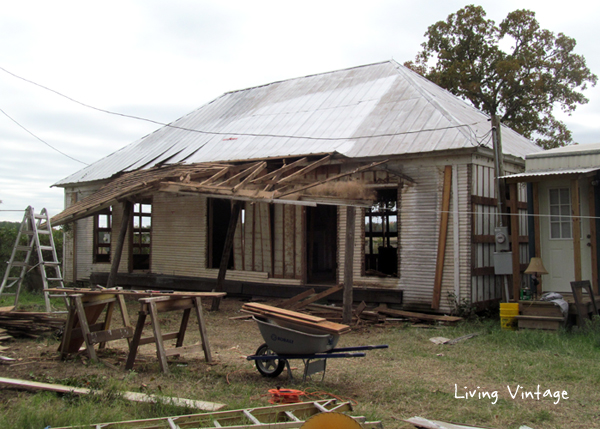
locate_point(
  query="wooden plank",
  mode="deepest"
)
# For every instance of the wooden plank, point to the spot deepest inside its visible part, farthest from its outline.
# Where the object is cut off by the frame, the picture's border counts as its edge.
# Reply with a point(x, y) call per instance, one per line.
point(443, 235)
point(110, 335)
point(118, 251)
point(282, 311)
point(306, 169)
point(202, 327)
point(131, 396)
point(317, 297)
point(576, 228)
point(349, 264)
point(235, 214)
point(514, 239)
point(288, 303)
point(421, 316)
point(160, 347)
point(136, 293)
point(594, 243)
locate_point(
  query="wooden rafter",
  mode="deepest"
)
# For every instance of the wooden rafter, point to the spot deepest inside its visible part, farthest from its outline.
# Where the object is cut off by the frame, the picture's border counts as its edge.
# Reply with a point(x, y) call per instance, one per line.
point(306, 169)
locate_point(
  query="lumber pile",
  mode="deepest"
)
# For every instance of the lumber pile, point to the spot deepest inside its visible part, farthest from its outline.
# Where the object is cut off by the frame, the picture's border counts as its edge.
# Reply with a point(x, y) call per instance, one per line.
point(314, 314)
point(295, 318)
point(29, 324)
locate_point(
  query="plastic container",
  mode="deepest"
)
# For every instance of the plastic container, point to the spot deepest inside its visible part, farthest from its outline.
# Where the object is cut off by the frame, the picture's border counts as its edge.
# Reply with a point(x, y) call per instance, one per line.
point(508, 311)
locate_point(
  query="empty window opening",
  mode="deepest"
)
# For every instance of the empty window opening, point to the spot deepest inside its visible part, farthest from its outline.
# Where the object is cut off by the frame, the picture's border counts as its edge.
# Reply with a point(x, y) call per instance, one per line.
point(141, 235)
point(381, 235)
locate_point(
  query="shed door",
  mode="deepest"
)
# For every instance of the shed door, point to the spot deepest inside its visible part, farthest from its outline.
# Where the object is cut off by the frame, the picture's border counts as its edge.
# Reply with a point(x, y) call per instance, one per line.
point(557, 235)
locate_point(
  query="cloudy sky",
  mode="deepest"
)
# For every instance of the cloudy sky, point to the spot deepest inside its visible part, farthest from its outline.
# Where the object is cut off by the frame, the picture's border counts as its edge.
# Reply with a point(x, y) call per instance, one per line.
point(162, 59)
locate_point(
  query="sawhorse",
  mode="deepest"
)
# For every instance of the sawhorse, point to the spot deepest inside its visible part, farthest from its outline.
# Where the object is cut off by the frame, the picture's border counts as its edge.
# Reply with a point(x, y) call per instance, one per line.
point(156, 305)
point(82, 326)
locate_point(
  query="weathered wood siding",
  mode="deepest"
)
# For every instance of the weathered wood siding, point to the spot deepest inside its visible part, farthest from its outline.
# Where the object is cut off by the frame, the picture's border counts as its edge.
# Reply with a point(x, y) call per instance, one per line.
point(485, 286)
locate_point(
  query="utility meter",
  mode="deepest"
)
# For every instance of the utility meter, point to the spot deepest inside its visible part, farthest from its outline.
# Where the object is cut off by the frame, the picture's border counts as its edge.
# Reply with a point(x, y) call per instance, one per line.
point(501, 239)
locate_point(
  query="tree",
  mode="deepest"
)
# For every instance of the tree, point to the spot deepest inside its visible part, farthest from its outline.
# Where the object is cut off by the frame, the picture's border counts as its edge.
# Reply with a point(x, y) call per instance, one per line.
point(521, 85)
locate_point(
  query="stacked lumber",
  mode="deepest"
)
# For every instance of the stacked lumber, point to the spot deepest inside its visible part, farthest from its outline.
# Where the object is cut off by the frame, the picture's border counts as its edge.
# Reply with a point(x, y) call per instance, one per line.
point(30, 324)
point(295, 318)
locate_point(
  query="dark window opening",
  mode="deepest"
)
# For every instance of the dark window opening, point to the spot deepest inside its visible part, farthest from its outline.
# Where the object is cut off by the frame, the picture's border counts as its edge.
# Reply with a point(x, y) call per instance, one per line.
point(321, 244)
point(141, 235)
point(102, 231)
point(218, 223)
point(381, 235)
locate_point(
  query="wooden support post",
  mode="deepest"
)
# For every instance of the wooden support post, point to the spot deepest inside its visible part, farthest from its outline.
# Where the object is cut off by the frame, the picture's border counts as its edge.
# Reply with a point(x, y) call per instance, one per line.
point(576, 231)
point(514, 240)
point(349, 264)
point(116, 257)
point(443, 235)
point(537, 230)
point(593, 238)
point(84, 327)
point(202, 327)
point(233, 220)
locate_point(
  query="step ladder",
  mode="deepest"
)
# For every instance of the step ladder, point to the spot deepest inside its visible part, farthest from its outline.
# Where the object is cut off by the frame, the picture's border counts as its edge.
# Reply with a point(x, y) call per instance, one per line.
point(35, 234)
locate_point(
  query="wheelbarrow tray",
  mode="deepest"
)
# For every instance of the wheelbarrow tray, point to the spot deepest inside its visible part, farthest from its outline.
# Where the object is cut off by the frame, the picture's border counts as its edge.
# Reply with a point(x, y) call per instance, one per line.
point(286, 340)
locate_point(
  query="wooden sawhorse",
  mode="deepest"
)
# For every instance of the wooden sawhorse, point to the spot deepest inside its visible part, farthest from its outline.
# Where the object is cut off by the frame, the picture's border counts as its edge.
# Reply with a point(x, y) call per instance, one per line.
point(82, 326)
point(156, 305)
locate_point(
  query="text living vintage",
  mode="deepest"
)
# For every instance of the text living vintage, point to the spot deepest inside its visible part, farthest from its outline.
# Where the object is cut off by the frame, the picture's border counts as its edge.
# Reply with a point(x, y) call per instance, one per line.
point(515, 393)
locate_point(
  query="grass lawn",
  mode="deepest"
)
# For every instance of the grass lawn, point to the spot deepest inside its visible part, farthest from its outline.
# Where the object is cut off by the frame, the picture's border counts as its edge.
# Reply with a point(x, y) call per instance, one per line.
point(490, 380)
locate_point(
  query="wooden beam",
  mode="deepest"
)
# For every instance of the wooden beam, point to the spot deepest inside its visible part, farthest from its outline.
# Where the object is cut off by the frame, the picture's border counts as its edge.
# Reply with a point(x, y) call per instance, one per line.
point(118, 251)
point(443, 235)
point(131, 396)
point(349, 264)
point(233, 220)
point(576, 228)
point(537, 230)
point(514, 239)
point(307, 169)
point(257, 170)
point(593, 240)
point(329, 179)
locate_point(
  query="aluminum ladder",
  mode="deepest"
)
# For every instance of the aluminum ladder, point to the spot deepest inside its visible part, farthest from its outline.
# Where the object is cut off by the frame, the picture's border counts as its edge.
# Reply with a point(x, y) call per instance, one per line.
point(28, 239)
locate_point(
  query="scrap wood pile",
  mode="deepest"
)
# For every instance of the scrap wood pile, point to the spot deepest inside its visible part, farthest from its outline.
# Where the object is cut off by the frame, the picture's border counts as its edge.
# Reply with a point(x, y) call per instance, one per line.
point(28, 324)
point(361, 313)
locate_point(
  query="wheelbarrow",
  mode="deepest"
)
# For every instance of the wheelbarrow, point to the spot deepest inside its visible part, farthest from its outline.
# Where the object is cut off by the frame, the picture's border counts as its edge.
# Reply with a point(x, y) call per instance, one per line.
point(284, 342)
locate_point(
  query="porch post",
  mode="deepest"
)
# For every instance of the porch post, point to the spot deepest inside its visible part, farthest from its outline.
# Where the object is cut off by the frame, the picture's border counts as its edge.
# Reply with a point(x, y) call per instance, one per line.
point(349, 264)
point(576, 228)
point(514, 238)
point(233, 220)
point(125, 221)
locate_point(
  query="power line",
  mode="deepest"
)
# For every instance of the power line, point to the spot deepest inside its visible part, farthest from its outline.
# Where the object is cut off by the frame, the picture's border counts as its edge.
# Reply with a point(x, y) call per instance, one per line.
point(236, 133)
point(46, 143)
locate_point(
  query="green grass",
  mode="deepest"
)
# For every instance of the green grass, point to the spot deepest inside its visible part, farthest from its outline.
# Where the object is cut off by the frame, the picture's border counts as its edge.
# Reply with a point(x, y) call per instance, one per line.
point(414, 377)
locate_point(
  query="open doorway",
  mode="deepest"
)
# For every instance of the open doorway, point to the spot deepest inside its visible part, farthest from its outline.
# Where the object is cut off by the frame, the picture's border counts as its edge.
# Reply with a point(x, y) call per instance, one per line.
point(219, 213)
point(321, 244)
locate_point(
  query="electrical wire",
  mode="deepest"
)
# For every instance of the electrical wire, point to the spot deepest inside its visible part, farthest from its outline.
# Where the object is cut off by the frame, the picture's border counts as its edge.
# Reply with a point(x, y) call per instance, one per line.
point(46, 143)
point(235, 133)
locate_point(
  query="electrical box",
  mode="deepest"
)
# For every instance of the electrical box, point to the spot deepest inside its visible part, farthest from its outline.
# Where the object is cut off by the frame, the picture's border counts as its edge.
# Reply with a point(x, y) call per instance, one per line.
point(501, 238)
point(503, 263)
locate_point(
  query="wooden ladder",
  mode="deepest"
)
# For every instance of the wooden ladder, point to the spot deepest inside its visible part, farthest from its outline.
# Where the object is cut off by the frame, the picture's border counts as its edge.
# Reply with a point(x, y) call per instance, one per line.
point(28, 239)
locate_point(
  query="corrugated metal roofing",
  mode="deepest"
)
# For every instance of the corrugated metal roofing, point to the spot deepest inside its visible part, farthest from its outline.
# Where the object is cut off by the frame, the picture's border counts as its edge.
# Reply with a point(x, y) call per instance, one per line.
point(380, 109)
point(552, 172)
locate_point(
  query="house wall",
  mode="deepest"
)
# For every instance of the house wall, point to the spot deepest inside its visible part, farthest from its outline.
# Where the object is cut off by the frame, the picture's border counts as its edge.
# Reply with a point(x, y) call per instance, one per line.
point(271, 248)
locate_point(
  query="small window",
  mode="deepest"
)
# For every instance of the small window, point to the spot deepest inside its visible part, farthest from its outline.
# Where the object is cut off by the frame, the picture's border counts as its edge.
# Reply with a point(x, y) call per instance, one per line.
point(102, 231)
point(560, 213)
point(381, 235)
point(142, 235)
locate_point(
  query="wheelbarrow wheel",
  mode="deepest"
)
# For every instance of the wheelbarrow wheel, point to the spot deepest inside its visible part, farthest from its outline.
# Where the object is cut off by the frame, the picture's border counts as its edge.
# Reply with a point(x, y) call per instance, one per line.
point(269, 368)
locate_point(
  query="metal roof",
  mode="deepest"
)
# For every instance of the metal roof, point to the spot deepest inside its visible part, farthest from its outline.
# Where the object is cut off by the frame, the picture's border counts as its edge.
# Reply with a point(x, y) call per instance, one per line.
point(523, 177)
point(380, 109)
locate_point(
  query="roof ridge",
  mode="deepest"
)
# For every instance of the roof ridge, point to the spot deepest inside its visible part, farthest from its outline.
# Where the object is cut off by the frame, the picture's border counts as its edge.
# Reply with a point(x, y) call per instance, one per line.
point(410, 76)
point(392, 61)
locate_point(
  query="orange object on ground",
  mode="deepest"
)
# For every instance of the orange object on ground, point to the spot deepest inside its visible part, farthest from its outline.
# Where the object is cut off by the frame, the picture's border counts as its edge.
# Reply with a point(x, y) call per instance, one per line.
point(285, 396)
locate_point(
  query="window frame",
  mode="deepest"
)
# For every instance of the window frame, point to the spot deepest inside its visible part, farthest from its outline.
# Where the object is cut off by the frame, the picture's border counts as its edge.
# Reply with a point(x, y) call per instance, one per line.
point(386, 235)
point(99, 257)
point(560, 218)
point(142, 229)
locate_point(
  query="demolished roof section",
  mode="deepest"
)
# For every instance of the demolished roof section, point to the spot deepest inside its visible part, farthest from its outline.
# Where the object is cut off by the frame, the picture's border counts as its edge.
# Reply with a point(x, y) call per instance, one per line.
point(273, 181)
point(379, 109)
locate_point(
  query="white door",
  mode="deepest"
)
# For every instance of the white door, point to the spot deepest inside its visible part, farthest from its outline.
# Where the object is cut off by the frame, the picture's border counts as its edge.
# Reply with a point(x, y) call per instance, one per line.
point(557, 235)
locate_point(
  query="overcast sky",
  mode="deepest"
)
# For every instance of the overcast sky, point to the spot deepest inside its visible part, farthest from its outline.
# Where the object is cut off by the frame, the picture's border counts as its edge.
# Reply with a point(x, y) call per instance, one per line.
point(163, 59)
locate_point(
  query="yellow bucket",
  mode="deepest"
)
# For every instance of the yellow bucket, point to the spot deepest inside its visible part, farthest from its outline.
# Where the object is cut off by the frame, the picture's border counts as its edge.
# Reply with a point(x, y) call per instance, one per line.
point(508, 311)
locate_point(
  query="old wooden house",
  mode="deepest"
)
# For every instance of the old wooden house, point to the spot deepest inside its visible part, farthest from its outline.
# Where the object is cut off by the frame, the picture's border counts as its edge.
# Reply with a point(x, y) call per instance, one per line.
point(413, 160)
